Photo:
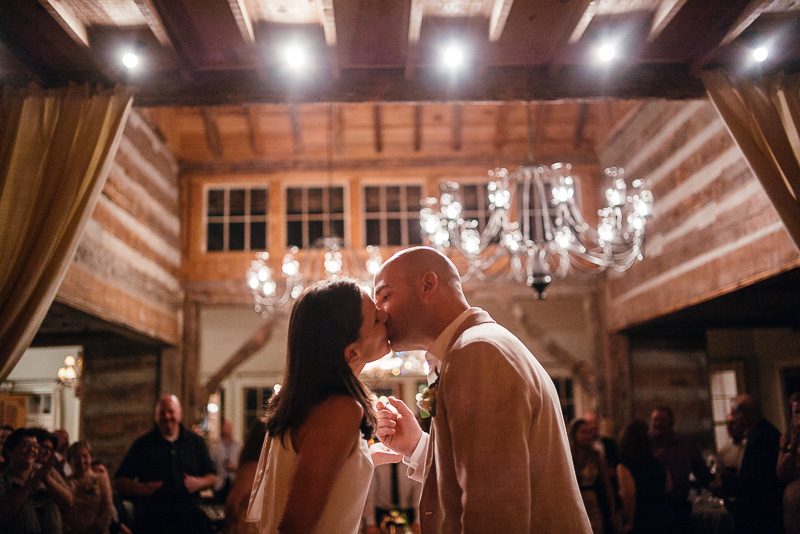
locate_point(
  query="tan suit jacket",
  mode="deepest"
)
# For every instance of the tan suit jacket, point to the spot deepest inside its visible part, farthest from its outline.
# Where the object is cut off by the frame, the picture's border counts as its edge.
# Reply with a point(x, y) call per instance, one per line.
point(498, 459)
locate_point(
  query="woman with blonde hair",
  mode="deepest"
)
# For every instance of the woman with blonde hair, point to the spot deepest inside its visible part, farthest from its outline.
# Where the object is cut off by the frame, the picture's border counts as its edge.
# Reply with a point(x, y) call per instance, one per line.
point(92, 508)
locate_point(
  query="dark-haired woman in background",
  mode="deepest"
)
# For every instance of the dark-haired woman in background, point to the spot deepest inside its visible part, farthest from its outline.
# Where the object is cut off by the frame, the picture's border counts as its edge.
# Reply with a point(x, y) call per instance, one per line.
point(643, 483)
point(315, 467)
point(593, 480)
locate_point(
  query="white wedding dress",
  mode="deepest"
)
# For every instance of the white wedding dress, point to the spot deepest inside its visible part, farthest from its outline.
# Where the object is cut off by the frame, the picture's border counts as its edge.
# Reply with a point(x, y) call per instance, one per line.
point(342, 513)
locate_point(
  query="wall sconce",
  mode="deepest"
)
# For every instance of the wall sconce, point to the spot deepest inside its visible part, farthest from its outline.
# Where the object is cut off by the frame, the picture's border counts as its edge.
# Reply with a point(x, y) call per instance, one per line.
point(70, 374)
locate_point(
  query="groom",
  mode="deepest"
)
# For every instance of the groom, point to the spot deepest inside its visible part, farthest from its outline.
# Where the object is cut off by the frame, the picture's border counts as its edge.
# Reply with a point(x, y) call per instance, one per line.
point(497, 458)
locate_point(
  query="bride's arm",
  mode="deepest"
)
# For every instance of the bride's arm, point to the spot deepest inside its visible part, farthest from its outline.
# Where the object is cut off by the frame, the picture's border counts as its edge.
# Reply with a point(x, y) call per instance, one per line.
point(324, 442)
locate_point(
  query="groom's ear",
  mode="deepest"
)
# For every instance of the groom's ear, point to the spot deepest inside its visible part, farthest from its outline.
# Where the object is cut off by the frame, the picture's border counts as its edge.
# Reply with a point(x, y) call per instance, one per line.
point(351, 353)
point(428, 284)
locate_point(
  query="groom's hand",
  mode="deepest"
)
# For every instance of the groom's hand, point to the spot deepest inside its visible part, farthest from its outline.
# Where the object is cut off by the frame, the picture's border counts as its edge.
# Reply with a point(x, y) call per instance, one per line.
point(397, 427)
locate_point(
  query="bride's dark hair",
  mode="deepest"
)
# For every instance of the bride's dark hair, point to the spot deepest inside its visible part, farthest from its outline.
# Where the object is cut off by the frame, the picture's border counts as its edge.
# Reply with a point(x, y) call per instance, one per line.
point(324, 320)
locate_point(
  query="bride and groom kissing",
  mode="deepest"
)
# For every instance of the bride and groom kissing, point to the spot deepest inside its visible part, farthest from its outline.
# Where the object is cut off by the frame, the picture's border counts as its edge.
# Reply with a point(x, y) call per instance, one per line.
point(496, 459)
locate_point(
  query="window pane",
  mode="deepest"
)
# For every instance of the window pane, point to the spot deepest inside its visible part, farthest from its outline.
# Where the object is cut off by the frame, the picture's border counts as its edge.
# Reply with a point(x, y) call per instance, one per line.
point(258, 235)
point(315, 200)
point(215, 237)
point(258, 201)
point(336, 199)
point(372, 202)
point(294, 201)
point(393, 232)
point(374, 232)
point(216, 202)
point(413, 197)
point(314, 231)
point(393, 198)
point(294, 234)
point(337, 229)
point(250, 399)
point(414, 232)
point(236, 236)
point(469, 194)
point(237, 201)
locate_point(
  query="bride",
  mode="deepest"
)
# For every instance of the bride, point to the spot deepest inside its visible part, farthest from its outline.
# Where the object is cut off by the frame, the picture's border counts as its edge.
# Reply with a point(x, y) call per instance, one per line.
point(315, 467)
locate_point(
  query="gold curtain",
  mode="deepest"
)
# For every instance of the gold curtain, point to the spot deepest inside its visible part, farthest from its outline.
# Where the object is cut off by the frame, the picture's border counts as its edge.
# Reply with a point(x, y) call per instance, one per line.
point(764, 118)
point(56, 148)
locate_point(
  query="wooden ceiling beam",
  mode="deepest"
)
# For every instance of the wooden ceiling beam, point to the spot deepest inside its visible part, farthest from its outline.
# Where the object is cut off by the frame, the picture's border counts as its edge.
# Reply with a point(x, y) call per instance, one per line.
point(664, 14)
point(257, 140)
point(297, 133)
point(746, 18)
point(583, 22)
point(243, 20)
point(580, 125)
point(154, 22)
point(193, 167)
point(377, 127)
point(417, 127)
point(415, 14)
point(65, 18)
point(328, 21)
point(501, 127)
point(213, 138)
point(338, 128)
point(498, 19)
point(458, 120)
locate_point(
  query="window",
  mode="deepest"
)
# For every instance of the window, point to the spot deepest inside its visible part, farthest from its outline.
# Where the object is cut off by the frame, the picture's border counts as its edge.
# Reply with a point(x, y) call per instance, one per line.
point(475, 203)
point(236, 219)
point(566, 395)
point(255, 404)
point(312, 213)
point(391, 215)
point(532, 220)
point(724, 388)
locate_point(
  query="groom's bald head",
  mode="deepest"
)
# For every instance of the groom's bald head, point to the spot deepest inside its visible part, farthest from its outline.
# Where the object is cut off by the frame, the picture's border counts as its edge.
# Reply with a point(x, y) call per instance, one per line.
point(420, 290)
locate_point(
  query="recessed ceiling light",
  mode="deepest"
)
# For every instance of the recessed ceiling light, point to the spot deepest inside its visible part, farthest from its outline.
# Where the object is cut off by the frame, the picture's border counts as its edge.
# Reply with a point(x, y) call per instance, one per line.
point(760, 54)
point(606, 52)
point(130, 60)
point(295, 56)
point(453, 56)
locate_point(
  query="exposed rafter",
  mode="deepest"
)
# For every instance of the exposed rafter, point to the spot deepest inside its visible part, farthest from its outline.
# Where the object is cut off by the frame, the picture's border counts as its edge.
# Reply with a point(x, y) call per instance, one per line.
point(67, 20)
point(498, 19)
point(501, 127)
point(458, 113)
point(243, 21)
point(328, 21)
point(748, 16)
point(414, 28)
point(213, 138)
point(297, 133)
point(154, 22)
point(417, 127)
point(580, 124)
point(664, 14)
point(377, 127)
point(584, 21)
point(254, 129)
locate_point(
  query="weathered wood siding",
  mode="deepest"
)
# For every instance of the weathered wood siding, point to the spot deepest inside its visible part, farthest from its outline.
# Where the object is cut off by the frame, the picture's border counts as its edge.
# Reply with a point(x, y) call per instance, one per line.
point(126, 268)
point(713, 229)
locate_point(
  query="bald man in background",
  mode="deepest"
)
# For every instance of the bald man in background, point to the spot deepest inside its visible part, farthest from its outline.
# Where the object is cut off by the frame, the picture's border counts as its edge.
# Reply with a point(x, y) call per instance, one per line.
point(163, 473)
point(497, 458)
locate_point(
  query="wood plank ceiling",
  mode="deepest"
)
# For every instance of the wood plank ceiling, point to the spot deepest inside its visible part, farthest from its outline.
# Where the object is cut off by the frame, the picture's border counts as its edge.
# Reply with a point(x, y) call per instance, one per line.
point(210, 52)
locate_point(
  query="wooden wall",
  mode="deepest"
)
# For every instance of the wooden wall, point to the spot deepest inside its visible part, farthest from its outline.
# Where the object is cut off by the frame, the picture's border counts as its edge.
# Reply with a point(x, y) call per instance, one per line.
point(126, 268)
point(713, 229)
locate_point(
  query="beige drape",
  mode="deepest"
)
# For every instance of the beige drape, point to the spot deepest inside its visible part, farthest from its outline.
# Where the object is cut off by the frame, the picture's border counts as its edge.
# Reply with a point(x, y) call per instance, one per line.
point(56, 148)
point(764, 118)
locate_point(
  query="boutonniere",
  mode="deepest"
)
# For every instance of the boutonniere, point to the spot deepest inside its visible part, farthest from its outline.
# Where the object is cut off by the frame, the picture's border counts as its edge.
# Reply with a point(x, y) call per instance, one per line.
point(427, 400)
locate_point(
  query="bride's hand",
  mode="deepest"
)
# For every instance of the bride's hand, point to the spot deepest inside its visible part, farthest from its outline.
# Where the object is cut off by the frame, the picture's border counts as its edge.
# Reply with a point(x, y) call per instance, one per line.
point(381, 454)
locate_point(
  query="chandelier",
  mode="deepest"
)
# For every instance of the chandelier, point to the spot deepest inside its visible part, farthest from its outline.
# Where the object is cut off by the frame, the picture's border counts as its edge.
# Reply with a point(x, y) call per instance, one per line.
point(534, 229)
point(274, 293)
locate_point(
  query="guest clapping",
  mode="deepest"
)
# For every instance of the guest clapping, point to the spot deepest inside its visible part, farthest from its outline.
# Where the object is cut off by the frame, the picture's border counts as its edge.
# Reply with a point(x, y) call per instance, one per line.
point(92, 507)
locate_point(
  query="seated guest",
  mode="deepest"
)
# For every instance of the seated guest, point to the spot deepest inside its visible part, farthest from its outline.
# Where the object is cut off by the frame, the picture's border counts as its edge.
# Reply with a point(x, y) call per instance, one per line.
point(729, 461)
point(92, 507)
point(643, 484)
point(593, 480)
point(30, 496)
point(239, 495)
point(163, 473)
point(62, 444)
point(789, 467)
